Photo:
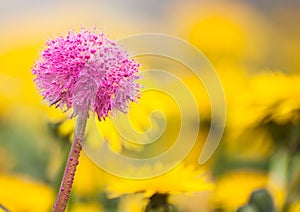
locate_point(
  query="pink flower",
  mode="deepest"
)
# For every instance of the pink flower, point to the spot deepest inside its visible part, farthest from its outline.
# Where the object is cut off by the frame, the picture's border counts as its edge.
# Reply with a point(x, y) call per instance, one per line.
point(86, 71)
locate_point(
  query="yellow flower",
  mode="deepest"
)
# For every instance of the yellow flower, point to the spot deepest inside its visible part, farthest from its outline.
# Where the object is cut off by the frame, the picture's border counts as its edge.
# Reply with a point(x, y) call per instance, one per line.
point(89, 178)
point(234, 189)
point(223, 30)
point(295, 207)
point(249, 144)
point(196, 202)
point(19, 194)
point(16, 85)
point(266, 97)
point(86, 207)
point(182, 179)
point(143, 125)
point(132, 203)
point(278, 94)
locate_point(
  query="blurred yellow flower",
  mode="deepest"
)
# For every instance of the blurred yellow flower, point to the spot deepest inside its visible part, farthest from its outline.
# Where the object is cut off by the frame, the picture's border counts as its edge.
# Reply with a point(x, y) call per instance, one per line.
point(132, 203)
point(86, 207)
point(295, 206)
point(89, 178)
point(274, 96)
point(195, 202)
point(231, 31)
point(265, 97)
point(16, 84)
point(141, 126)
point(250, 144)
point(182, 179)
point(19, 194)
point(233, 189)
point(279, 93)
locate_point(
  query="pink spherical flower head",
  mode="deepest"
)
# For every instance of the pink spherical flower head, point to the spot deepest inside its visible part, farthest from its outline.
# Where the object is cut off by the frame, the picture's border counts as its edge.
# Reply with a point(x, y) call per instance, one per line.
point(86, 71)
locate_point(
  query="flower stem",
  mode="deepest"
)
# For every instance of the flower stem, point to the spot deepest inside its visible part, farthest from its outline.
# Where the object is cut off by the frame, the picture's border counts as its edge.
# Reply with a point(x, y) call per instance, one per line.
point(159, 202)
point(72, 162)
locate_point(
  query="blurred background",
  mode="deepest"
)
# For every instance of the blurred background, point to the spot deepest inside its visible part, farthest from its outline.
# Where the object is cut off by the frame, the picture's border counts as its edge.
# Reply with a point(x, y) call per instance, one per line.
point(254, 47)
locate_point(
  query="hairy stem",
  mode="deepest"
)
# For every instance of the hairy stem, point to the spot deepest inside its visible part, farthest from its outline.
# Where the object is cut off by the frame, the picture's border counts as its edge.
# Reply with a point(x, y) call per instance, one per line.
point(72, 162)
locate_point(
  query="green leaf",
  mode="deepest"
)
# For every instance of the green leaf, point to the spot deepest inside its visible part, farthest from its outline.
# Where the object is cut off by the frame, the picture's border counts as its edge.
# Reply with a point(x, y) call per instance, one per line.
point(248, 208)
point(262, 200)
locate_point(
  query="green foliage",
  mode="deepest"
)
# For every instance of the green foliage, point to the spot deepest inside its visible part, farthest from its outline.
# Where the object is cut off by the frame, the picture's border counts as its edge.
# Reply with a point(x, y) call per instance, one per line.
point(260, 201)
point(27, 157)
